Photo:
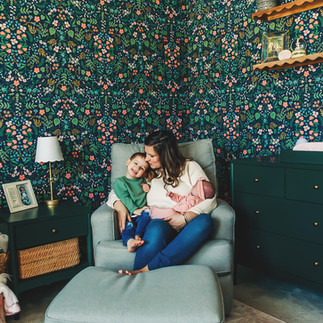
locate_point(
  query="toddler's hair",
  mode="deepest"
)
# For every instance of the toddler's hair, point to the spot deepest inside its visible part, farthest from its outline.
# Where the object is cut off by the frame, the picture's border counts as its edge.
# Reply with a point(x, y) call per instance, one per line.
point(139, 154)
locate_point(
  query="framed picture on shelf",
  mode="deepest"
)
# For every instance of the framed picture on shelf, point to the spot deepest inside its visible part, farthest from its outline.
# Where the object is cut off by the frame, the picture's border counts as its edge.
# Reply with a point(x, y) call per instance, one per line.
point(272, 44)
point(20, 196)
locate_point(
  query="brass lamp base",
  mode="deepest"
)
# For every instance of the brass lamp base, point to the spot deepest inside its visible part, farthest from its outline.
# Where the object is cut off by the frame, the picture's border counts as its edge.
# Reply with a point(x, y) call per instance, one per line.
point(52, 202)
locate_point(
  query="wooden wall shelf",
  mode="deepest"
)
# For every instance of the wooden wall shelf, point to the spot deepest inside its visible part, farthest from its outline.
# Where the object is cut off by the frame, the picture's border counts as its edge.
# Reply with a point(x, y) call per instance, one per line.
point(292, 62)
point(287, 9)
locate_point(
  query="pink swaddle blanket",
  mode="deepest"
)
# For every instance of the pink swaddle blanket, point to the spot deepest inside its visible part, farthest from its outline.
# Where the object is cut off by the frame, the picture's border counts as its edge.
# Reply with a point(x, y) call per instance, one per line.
point(184, 203)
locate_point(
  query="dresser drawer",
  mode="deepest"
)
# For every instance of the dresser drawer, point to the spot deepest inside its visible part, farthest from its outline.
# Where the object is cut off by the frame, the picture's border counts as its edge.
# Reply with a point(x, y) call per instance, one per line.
point(259, 180)
point(295, 219)
point(285, 255)
point(42, 232)
point(304, 185)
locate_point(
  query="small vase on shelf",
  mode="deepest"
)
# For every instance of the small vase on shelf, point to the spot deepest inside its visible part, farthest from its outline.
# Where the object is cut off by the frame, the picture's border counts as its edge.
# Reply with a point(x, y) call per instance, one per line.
point(266, 4)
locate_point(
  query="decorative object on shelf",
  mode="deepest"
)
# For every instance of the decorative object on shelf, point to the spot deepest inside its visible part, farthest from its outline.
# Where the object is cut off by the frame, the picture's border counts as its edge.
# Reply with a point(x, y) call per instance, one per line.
point(298, 47)
point(287, 9)
point(48, 150)
point(272, 44)
point(284, 54)
point(266, 4)
point(20, 196)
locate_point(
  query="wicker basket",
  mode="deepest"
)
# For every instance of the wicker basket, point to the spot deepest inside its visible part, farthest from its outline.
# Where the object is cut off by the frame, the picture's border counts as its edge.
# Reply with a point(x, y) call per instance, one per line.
point(4, 262)
point(48, 258)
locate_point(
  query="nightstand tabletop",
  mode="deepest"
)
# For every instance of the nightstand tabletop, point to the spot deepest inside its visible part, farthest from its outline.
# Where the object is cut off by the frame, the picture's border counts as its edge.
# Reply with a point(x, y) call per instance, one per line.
point(43, 212)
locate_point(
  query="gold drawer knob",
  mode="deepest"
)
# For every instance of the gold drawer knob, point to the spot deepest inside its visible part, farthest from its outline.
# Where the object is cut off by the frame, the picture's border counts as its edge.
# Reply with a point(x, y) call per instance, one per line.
point(257, 212)
point(316, 187)
point(256, 180)
point(316, 224)
point(316, 263)
point(53, 230)
point(258, 246)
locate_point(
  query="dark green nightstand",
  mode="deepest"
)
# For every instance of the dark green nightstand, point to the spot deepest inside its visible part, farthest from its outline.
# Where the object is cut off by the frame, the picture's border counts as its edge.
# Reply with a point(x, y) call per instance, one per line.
point(43, 225)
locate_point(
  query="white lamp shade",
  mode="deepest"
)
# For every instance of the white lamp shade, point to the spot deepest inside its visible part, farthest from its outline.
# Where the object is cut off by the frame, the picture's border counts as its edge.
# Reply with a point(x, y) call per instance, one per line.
point(48, 150)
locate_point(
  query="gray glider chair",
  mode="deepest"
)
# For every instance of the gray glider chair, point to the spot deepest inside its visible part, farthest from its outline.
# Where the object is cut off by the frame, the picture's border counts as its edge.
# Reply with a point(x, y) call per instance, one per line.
point(217, 253)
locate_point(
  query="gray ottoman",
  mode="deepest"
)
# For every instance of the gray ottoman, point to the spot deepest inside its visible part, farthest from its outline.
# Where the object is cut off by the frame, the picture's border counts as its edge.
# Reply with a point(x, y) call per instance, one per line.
point(189, 293)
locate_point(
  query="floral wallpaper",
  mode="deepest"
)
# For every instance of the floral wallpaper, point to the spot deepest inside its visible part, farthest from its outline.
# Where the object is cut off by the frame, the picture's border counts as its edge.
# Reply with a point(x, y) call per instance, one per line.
point(95, 72)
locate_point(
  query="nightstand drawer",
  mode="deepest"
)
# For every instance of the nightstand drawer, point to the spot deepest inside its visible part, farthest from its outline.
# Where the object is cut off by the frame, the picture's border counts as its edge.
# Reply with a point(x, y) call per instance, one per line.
point(291, 218)
point(304, 185)
point(259, 180)
point(37, 233)
point(285, 255)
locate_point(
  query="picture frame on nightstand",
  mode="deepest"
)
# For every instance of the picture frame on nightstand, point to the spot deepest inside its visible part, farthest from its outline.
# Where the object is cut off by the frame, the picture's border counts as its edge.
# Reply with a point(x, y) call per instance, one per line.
point(20, 196)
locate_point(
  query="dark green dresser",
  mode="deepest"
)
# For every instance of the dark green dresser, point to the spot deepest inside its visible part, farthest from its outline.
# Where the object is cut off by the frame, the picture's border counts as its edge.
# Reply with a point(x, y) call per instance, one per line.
point(41, 226)
point(279, 207)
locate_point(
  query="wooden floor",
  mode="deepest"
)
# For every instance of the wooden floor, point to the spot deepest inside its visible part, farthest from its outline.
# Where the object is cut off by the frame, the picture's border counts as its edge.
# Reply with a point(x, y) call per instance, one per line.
point(288, 302)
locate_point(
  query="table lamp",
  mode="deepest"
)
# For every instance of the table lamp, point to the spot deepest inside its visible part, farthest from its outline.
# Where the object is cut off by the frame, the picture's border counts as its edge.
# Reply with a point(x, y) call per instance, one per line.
point(48, 150)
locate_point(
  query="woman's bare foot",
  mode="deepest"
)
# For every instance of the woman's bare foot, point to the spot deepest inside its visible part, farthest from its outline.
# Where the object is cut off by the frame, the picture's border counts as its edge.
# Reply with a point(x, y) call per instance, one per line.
point(134, 244)
point(133, 272)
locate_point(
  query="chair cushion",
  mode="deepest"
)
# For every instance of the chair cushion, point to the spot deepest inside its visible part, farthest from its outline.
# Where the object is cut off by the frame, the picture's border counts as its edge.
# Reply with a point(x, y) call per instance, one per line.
point(215, 253)
point(201, 151)
point(177, 294)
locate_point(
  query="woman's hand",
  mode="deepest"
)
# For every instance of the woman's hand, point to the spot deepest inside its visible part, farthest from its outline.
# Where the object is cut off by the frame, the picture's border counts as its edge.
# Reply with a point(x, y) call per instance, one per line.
point(176, 221)
point(123, 214)
point(189, 216)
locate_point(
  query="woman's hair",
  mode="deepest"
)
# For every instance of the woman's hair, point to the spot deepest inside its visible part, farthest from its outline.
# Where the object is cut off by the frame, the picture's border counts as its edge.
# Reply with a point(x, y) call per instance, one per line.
point(171, 159)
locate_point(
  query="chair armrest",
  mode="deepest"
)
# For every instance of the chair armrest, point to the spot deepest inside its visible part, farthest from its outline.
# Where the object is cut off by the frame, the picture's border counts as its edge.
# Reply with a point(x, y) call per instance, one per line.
point(104, 225)
point(224, 219)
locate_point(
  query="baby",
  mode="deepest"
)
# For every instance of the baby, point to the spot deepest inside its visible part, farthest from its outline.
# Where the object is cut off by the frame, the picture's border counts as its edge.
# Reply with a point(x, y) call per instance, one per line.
point(200, 191)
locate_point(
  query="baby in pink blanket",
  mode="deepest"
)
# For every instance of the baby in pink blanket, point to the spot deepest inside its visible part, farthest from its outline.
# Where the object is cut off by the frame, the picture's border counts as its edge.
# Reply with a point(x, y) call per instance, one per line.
point(201, 190)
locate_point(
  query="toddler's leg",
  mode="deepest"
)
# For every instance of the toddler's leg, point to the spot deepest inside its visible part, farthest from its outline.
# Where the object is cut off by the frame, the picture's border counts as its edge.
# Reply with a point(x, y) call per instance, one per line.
point(142, 222)
point(134, 244)
point(128, 236)
point(128, 232)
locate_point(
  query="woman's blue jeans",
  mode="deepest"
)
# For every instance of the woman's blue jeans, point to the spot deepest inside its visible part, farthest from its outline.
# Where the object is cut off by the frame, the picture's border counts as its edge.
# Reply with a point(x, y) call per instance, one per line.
point(165, 247)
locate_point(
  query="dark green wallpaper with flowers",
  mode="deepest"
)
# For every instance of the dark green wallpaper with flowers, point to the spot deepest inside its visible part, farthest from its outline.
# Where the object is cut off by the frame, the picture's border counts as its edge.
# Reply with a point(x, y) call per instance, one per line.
point(95, 72)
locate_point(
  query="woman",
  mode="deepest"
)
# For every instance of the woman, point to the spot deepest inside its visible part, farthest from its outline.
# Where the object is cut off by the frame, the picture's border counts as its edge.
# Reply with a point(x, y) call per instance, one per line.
point(174, 239)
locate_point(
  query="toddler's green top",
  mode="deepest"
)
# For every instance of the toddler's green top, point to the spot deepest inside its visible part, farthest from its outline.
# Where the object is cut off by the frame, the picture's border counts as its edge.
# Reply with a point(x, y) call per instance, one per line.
point(130, 192)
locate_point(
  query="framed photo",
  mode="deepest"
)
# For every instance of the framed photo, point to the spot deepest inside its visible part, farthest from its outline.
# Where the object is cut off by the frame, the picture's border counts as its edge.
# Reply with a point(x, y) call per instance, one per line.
point(20, 196)
point(272, 44)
